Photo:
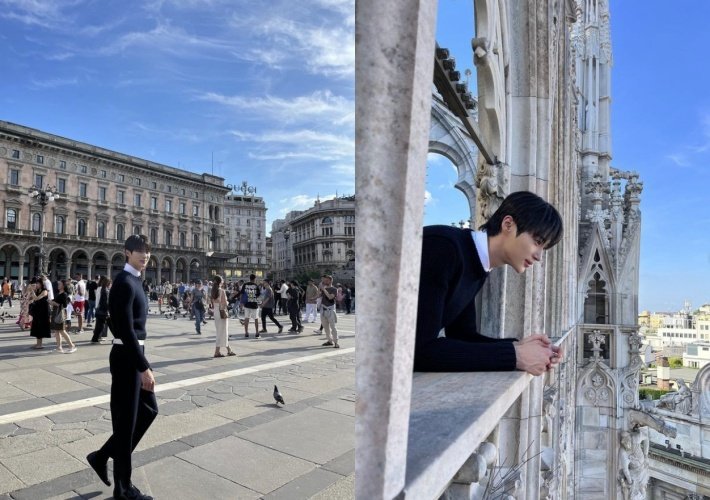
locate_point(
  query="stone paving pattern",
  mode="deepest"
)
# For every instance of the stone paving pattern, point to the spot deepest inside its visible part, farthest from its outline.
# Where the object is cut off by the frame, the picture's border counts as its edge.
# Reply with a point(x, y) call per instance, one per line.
point(222, 439)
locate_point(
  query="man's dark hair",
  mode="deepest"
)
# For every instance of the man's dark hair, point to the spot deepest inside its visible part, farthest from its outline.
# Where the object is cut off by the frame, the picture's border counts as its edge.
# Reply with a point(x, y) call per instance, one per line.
point(531, 214)
point(137, 243)
point(252, 277)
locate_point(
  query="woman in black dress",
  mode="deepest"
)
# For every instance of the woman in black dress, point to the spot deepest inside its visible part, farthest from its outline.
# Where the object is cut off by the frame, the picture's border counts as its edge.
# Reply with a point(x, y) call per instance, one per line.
point(39, 310)
point(59, 316)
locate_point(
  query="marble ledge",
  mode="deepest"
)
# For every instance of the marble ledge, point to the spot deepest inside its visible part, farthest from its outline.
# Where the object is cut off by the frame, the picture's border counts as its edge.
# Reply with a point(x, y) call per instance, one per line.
point(451, 414)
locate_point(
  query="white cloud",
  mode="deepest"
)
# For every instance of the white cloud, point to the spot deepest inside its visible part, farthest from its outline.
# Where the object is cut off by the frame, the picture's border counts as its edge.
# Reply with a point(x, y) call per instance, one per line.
point(53, 83)
point(429, 199)
point(301, 202)
point(328, 51)
point(45, 13)
point(322, 105)
point(60, 56)
point(168, 39)
point(679, 159)
point(299, 144)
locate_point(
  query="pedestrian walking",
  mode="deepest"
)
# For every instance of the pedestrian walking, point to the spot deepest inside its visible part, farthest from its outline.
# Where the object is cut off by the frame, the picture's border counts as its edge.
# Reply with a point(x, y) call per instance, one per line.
point(250, 292)
point(328, 316)
point(198, 306)
point(6, 293)
point(294, 307)
point(39, 310)
point(58, 317)
point(218, 302)
point(267, 307)
point(24, 319)
point(100, 328)
point(133, 403)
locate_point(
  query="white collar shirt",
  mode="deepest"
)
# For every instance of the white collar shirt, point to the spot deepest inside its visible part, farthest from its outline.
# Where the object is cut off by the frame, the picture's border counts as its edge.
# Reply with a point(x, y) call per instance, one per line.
point(480, 239)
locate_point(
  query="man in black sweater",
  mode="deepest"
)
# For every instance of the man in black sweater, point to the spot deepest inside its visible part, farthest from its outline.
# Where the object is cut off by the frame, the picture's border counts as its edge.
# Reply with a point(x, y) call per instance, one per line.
point(455, 265)
point(133, 403)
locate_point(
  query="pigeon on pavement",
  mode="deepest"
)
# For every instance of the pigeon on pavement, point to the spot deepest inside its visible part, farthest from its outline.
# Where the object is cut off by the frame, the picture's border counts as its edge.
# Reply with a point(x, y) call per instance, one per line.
point(278, 397)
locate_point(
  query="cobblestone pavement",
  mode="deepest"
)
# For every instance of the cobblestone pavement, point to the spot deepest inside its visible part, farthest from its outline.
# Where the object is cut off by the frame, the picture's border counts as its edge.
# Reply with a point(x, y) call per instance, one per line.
point(219, 434)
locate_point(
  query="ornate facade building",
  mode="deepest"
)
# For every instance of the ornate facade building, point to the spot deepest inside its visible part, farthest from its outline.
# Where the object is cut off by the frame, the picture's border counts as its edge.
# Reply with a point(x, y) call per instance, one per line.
point(540, 122)
point(245, 233)
point(100, 198)
point(320, 239)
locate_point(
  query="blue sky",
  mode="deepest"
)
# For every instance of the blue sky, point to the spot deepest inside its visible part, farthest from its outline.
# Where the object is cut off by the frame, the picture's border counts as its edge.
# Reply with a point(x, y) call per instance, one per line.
point(660, 128)
point(264, 88)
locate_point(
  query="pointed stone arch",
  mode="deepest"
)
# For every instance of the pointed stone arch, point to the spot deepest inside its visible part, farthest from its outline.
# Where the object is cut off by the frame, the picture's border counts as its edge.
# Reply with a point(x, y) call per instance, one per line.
point(448, 138)
point(597, 285)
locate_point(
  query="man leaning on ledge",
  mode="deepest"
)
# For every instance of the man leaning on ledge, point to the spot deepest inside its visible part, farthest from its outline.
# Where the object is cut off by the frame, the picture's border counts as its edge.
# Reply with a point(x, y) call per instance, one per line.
point(455, 265)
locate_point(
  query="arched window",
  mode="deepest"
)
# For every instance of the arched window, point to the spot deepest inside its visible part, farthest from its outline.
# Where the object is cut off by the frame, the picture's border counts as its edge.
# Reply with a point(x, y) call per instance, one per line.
point(11, 218)
point(153, 236)
point(36, 222)
point(137, 229)
point(216, 213)
point(81, 227)
point(196, 240)
point(59, 224)
point(101, 230)
point(120, 232)
point(168, 237)
point(327, 220)
point(595, 303)
point(183, 240)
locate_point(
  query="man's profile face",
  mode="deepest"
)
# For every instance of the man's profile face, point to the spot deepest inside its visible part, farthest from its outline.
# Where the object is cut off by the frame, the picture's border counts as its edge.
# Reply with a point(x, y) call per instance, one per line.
point(137, 259)
point(520, 251)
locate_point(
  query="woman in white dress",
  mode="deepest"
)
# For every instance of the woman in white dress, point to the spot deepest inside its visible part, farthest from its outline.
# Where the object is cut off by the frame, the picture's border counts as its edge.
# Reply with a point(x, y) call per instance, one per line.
point(218, 301)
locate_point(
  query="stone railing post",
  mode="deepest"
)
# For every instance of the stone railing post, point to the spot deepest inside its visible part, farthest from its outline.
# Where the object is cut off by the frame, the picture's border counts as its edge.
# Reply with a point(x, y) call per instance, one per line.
point(394, 68)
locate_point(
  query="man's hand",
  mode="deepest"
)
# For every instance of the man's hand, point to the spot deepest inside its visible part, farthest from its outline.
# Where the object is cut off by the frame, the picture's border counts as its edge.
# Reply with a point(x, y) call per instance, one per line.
point(147, 380)
point(535, 354)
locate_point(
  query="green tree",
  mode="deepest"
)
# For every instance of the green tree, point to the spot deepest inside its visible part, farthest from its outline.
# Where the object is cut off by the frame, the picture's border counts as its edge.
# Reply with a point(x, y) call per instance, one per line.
point(675, 362)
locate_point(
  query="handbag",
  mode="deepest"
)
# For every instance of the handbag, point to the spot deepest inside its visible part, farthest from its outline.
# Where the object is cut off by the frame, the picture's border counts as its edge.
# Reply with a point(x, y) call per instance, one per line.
point(223, 314)
point(58, 316)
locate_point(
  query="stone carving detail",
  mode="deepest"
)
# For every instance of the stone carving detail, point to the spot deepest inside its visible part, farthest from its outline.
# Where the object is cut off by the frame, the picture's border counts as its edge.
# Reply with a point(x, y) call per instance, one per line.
point(680, 401)
point(604, 33)
point(629, 375)
point(3, 151)
point(633, 474)
point(633, 464)
point(493, 183)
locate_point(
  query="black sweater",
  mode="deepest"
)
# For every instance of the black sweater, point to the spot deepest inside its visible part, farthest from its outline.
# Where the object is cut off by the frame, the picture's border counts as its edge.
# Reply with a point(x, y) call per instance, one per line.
point(128, 309)
point(451, 276)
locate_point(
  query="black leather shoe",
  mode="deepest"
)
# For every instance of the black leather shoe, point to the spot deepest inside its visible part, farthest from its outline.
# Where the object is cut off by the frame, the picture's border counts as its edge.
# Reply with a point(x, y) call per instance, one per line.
point(131, 493)
point(99, 467)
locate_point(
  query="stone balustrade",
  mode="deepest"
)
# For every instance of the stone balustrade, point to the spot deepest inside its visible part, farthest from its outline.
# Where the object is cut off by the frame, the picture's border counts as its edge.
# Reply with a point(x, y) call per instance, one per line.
point(451, 416)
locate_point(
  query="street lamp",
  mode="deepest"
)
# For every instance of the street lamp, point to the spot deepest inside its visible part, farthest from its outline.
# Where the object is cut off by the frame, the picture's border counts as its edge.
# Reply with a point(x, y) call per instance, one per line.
point(43, 197)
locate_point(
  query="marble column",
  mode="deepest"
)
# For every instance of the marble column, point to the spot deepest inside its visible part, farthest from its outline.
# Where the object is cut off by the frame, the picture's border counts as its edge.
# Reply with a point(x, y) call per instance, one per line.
point(393, 70)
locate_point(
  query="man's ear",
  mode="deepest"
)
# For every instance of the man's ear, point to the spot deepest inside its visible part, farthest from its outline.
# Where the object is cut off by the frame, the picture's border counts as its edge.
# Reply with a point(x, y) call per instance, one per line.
point(507, 224)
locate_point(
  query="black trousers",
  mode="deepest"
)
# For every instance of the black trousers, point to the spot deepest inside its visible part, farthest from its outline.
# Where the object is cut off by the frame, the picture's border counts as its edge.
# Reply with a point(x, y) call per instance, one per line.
point(268, 311)
point(295, 315)
point(99, 328)
point(132, 411)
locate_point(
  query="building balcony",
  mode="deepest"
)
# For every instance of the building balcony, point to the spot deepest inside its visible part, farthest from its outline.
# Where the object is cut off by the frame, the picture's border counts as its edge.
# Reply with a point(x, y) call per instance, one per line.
point(102, 203)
